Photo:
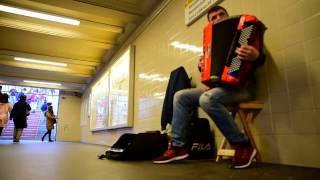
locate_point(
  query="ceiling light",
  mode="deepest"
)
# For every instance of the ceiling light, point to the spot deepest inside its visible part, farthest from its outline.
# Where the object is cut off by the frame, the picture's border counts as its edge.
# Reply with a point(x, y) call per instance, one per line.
point(39, 61)
point(39, 15)
point(187, 47)
point(42, 82)
point(153, 77)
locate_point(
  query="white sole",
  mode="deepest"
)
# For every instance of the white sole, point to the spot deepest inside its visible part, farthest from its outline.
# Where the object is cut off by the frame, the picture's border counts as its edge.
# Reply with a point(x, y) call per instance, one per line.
point(172, 159)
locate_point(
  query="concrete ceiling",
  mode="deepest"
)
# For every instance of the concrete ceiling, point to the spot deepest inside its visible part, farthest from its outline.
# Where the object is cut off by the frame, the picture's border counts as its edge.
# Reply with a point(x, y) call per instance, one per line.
point(104, 24)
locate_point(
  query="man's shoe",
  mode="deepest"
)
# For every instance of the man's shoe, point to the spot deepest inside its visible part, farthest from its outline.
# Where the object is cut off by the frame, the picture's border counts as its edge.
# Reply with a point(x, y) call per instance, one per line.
point(243, 156)
point(172, 154)
point(50, 140)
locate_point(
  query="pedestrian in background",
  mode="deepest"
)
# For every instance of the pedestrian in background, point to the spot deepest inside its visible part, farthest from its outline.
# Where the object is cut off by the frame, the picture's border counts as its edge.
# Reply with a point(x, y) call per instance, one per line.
point(50, 121)
point(5, 108)
point(19, 114)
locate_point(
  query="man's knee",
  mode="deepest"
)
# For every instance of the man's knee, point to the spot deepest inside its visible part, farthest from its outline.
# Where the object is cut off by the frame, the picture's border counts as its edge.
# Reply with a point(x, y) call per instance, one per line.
point(204, 100)
point(180, 96)
point(208, 100)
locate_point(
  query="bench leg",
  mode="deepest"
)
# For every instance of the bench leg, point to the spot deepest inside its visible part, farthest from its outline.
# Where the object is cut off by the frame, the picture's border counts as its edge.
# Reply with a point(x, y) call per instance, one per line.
point(223, 145)
point(222, 150)
point(246, 118)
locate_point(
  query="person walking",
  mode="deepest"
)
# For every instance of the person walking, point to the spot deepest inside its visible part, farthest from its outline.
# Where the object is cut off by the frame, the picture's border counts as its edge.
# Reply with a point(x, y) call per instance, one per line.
point(19, 114)
point(50, 121)
point(5, 108)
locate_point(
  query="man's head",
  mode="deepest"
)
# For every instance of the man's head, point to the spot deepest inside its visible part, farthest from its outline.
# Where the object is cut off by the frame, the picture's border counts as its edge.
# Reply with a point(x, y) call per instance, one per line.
point(216, 13)
point(4, 98)
point(23, 97)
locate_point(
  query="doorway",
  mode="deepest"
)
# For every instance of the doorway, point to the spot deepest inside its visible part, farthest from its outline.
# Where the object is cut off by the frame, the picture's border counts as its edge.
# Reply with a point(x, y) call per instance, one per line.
point(37, 98)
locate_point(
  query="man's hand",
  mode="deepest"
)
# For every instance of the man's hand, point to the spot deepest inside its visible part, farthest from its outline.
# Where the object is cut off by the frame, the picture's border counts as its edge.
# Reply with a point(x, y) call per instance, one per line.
point(247, 53)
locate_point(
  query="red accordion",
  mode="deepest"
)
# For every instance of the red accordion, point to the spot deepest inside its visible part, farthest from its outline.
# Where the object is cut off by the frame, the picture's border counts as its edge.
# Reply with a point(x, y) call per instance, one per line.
point(220, 62)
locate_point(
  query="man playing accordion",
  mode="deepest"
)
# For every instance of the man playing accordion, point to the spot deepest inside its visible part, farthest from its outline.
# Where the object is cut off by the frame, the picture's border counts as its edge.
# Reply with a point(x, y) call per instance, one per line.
point(214, 101)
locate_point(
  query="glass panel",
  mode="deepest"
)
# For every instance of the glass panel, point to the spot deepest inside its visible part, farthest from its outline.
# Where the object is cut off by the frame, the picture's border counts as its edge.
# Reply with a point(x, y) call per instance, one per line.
point(109, 98)
point(119, 91)
point(99, 103)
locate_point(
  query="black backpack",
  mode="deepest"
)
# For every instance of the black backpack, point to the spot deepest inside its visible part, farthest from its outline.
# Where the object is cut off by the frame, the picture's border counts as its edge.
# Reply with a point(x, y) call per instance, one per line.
point(201, 142)
point(140, 146)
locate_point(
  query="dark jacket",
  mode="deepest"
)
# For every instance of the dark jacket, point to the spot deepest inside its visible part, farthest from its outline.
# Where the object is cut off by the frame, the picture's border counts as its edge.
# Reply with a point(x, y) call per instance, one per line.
point(178, 80)
point(19, 114)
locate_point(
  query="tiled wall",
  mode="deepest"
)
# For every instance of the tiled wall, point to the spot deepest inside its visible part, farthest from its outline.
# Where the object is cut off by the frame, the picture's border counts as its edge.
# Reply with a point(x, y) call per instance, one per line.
point(287, 130)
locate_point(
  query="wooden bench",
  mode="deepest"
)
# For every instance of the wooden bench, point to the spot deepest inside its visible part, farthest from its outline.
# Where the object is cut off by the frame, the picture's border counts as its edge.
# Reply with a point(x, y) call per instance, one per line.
point(247, 112)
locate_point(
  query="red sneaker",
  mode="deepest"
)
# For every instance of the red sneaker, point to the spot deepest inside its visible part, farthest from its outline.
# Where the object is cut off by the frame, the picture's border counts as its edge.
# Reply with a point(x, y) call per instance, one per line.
point(172, 154)
point(243, 156)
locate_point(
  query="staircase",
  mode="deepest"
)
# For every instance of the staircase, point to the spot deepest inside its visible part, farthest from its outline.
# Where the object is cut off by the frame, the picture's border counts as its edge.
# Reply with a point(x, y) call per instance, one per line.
point(32, 132)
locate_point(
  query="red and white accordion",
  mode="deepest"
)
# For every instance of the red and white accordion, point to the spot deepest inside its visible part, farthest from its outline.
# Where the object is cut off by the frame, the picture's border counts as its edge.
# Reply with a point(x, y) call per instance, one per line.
point(220, 62)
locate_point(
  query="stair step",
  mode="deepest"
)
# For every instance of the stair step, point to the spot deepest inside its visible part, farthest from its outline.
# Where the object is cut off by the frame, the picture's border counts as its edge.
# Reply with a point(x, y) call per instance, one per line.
point(36, 128)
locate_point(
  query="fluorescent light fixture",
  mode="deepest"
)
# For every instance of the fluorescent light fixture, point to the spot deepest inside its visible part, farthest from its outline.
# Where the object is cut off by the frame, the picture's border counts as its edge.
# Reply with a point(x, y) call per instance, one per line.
point(187, 47)
point(153, 77)
point(40, 61)
point(159, 95)
point(42, 82)
point(39, 15)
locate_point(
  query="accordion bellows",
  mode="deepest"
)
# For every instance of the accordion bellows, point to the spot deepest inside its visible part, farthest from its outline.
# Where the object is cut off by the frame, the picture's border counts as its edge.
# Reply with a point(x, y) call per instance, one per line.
point(220, 40)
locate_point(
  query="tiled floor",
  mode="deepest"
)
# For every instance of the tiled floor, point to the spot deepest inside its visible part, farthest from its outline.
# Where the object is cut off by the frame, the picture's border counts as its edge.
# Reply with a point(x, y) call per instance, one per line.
point(37, 160)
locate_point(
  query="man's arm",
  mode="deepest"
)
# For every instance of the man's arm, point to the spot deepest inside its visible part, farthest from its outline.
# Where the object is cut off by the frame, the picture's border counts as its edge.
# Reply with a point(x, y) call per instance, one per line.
point(13, 112)
point(28, 107)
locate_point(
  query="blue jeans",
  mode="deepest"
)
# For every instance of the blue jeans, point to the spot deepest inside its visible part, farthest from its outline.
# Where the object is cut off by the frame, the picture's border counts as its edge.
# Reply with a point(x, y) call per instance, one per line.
point(213, 102)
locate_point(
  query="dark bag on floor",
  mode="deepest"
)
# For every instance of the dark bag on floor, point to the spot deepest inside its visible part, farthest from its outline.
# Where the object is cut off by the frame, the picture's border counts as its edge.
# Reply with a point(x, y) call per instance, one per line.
point(140, 146)
point(201, 140)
